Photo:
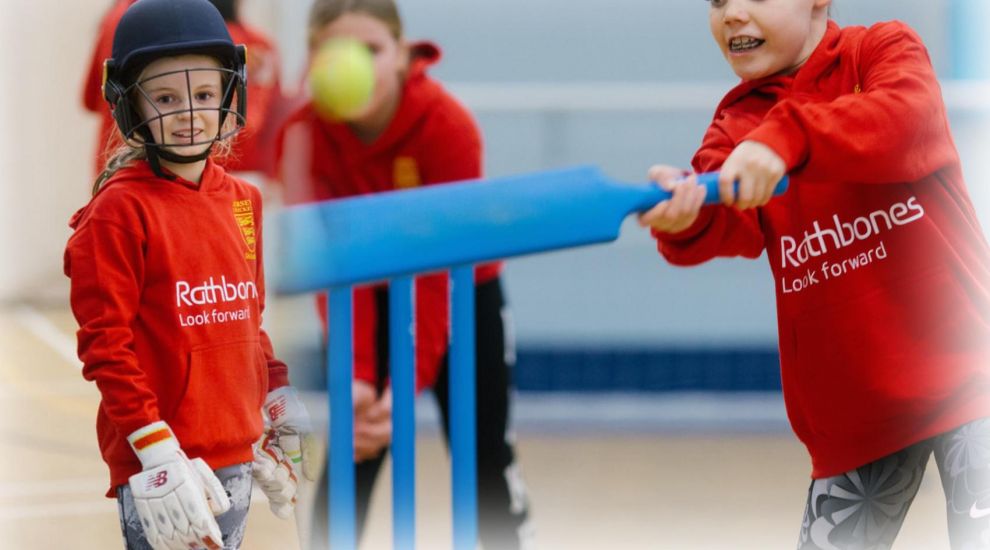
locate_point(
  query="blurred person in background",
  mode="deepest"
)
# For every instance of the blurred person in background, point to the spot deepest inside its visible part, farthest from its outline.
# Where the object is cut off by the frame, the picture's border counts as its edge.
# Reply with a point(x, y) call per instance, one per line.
point(411, 133)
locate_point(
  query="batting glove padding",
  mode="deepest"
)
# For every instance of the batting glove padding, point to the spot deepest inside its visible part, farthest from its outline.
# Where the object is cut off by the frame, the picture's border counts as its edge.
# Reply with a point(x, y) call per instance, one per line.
point(274, 473)
point(175, 497)
point(286, 414)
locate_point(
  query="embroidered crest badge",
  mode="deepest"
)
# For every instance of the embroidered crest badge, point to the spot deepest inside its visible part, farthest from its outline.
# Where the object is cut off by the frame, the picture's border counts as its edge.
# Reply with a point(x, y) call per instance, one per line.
point(244, 215)
point(405, 173)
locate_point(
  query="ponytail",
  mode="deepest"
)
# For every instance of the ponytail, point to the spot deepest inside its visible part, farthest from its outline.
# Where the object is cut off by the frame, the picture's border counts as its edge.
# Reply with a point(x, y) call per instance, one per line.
point(120, 158)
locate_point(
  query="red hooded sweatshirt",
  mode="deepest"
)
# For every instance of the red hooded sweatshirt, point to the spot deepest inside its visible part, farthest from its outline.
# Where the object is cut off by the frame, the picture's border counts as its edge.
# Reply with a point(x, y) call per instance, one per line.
point(252, 148)
point(168, 290)
point(882, 272)
point(431, 139)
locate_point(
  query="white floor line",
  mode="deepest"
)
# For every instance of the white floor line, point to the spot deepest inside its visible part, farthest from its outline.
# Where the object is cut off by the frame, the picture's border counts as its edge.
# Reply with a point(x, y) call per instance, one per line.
point(47, 332)
point(56, 510)
point(57, 490)
point(53, 487)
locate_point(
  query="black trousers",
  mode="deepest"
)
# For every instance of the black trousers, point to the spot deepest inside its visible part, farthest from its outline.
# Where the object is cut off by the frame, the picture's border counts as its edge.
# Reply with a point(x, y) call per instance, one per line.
point(502, 502)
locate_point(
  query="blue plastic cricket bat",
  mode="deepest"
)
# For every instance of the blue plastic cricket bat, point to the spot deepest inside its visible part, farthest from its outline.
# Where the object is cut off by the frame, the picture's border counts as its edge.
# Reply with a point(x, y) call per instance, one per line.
point(374, 237)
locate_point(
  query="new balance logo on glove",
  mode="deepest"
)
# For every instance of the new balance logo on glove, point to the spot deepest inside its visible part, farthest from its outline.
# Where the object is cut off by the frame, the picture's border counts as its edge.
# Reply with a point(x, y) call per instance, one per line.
point(276, 410)
point(156, 481)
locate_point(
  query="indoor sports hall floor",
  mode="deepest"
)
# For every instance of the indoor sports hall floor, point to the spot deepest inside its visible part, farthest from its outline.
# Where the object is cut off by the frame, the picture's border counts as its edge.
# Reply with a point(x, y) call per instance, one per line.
point(607, 472)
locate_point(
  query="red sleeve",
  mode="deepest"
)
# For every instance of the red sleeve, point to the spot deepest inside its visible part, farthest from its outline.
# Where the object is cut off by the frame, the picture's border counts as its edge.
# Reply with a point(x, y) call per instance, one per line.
point(295, 159)
point(894, 130)
point(453, 142)
point(365, 334)
point(432, 327)
point(719, 230)
point(105, 263)
point(363, 330)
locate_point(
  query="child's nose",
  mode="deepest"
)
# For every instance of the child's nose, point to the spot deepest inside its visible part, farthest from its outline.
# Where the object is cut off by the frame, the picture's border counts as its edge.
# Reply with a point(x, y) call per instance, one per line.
point(184, 109)
point(735, 10)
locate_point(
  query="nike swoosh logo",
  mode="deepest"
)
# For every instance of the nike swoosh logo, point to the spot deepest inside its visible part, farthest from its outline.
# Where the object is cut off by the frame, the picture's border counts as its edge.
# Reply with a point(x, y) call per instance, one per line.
point(977, 513)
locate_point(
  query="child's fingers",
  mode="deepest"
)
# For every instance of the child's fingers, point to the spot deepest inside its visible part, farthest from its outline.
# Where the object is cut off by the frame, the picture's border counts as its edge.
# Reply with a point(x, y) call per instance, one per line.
point(365, 450)
point(653, 216)
point(768, 188)
point(694, 199)
point(766, 192)
point(362, 395)
point(726, 185)
point(757, 169)
point(378, 412)
point(681, 199)
point(382, 408)
point(666, 176)
point(678, 212)
point(370, 438)
point(699, 199)
point(745, 191)
point(758, 188)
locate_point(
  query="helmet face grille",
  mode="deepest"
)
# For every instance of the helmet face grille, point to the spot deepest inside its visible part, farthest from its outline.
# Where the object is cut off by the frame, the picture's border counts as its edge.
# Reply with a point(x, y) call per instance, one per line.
point(150, 130)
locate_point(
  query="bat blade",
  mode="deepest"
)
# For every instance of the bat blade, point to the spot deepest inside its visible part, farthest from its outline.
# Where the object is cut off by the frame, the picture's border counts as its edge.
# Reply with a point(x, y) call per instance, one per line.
point(373, 237)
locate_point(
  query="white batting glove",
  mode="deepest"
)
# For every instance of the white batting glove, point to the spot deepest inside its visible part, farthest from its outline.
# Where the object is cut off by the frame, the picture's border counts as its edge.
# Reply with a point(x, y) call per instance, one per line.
point(175, 497)
point(274, 473)
point(286, 414)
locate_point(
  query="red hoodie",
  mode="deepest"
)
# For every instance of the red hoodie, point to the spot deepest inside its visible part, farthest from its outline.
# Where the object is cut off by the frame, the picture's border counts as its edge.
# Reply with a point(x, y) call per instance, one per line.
point(252, 147)
point(881, 269)
point(168, 290)
point(431, 139)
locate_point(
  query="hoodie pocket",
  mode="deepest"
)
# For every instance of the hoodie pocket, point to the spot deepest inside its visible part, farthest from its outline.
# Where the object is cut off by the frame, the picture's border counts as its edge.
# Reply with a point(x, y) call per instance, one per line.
point(221, 406)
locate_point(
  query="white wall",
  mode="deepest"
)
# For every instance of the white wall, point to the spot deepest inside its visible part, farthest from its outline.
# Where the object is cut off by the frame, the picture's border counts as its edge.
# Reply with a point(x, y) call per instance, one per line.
point(45, 138)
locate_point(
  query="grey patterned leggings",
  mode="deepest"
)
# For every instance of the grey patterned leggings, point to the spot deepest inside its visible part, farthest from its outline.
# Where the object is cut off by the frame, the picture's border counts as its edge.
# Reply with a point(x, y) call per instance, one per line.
point(236, 480)
point(863, 509)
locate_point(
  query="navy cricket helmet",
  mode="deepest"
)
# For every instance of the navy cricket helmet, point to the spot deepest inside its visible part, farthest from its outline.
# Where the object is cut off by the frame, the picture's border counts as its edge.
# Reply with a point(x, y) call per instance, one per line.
point(152, 29)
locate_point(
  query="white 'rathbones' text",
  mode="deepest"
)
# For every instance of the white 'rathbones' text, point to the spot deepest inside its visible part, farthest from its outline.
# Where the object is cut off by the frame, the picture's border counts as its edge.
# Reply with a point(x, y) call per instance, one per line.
point(211, 292)
point(839, 234)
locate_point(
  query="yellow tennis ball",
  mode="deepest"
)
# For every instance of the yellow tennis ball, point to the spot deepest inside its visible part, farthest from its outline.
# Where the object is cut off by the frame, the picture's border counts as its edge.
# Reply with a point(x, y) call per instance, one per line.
point(342, 78)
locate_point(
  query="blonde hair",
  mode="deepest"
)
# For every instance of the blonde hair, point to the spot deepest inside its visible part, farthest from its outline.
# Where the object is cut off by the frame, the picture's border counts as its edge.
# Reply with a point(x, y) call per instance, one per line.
point(324, 12)
point(122, 154)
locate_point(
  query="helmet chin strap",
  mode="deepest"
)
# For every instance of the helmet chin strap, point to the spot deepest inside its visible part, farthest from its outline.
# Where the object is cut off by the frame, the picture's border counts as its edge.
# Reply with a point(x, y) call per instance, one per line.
point(156, 153)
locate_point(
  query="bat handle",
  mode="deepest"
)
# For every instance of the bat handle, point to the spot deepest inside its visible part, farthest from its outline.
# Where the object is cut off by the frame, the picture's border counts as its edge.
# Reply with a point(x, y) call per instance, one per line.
point(709, 180)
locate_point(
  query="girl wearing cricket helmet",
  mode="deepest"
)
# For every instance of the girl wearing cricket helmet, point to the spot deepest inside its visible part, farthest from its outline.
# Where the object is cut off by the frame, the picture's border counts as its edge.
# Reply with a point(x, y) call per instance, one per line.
point(167, 286)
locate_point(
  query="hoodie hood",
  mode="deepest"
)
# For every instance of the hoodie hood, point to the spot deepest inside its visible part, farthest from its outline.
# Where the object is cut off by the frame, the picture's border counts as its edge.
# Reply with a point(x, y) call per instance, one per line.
point(140, 171)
